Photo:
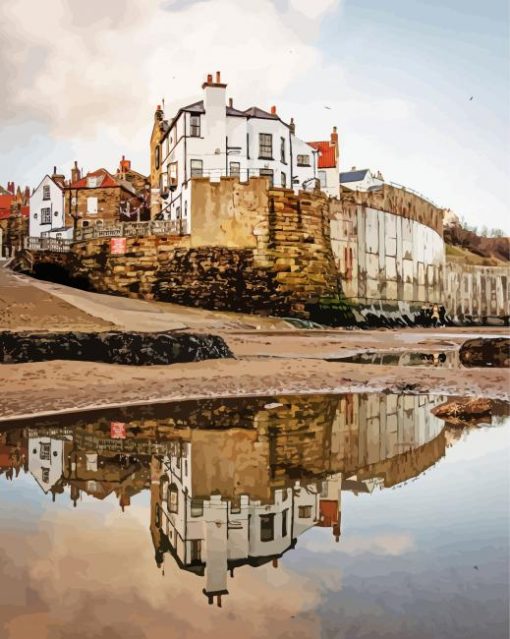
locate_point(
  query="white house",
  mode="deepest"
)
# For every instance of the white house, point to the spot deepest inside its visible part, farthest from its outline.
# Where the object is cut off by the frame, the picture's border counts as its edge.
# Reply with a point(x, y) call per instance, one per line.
point(47, 215)
point(46, 459)
point(212, 536)
point(361, 179)
point(211, 138)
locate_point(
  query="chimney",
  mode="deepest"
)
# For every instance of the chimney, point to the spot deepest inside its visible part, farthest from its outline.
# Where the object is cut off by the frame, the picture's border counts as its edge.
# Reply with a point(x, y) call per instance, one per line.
point(158, 113)
point(292, 126)
point(218, 77)
point(230, 103)
point(10, 187)
point(58, 178)
point(273, 110)
point(75, 173)
point(353, 168)
point(334, 137)
point(125, 165)
point(208, 82)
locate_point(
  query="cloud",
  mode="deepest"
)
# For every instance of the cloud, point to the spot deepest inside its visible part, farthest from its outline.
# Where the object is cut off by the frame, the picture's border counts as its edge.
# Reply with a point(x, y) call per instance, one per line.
point(79, 574)
point(392, 544)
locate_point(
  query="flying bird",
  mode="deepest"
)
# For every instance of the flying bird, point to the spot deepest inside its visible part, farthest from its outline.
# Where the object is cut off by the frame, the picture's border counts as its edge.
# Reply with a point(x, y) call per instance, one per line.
point(327, 108)
point(470, 98)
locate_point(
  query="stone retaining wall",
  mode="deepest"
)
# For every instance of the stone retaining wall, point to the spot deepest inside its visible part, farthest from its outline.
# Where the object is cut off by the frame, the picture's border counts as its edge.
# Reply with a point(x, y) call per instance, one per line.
point(278, 260)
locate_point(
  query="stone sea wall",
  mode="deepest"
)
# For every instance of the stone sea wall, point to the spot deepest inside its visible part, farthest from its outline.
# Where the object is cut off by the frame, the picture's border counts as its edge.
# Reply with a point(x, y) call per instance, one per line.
point(389, 249)
point(476, 293)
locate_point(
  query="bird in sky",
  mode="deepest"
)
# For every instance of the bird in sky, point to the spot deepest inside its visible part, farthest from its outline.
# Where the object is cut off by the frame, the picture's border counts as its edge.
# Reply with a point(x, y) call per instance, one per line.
point(326, 107)
point(470, 98)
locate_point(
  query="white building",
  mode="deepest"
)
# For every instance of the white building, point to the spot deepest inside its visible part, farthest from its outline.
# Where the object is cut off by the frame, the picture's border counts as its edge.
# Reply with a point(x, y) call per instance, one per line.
point(46, 459)
point(47, 215)
point(212, 536)
point(361, 179)
point(212, 139)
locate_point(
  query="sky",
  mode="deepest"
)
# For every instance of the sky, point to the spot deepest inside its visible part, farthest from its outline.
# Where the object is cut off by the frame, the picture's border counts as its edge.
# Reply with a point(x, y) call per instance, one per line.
point(419, 89)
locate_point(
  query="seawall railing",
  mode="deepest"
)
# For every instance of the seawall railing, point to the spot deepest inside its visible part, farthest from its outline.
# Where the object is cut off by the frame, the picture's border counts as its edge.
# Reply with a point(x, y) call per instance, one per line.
point(120, 229)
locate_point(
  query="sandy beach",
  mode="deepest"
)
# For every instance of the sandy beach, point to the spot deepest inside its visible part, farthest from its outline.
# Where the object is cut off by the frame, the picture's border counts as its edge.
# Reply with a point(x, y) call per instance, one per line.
point(271, 357)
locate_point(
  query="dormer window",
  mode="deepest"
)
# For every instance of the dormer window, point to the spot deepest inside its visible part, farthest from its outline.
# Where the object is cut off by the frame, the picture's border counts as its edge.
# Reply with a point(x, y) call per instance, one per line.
point(46, 192)
point(195, 126)
point(93, 182)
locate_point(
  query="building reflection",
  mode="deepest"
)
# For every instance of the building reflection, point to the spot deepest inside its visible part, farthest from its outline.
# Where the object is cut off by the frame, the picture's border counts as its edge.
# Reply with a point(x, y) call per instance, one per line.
point(232, 483)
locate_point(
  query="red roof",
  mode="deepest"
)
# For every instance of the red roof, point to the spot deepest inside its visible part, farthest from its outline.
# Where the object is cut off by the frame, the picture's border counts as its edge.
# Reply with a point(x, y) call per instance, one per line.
point(107, 181)
point(328, 509)
point(5, 206)
point(327, 159)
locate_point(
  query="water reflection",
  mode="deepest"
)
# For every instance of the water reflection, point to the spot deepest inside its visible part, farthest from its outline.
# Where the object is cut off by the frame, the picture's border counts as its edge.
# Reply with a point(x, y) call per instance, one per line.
point(444, 359)
point(232, 483)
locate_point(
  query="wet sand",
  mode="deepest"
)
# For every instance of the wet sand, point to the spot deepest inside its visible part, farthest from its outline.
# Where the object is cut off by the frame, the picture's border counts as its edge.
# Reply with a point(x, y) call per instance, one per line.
point(272, 357)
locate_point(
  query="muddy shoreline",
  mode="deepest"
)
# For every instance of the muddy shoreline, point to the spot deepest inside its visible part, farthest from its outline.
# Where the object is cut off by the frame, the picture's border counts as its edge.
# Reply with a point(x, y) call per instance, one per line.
point(272, 358)
point(63, 387)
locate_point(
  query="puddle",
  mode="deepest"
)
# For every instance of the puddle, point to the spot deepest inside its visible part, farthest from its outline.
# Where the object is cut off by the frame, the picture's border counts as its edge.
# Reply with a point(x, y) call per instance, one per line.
point(302, 513)
point(446, 359)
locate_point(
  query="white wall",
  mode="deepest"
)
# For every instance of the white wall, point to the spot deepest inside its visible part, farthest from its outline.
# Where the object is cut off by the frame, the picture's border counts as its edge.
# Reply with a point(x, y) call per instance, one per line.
point(37, 203)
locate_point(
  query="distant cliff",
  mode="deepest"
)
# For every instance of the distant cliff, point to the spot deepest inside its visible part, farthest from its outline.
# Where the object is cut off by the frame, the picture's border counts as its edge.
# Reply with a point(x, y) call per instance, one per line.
point(494, 249)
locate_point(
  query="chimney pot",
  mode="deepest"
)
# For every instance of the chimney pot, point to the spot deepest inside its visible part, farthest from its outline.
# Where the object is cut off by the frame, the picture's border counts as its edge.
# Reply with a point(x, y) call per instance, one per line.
point(209, 78)
point(218, 77)
point(54, 170)
point(353, 168)
point(273, 110)
point(292, 126)
point(230, 102)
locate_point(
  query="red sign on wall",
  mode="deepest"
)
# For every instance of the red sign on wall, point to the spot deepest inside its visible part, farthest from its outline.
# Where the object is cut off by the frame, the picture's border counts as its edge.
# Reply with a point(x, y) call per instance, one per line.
point(117, 430)
point(117, 245)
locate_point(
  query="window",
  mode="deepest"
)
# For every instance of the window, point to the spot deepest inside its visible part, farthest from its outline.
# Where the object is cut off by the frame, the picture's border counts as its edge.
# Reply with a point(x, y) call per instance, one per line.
point(235, 169)
point(45, 475)
point(196, 550)
point(84, 224)
point(195, 126)
point(282, 151)
point(186, 215)
point(197, 168)
point(46, 216)
point(197, 508)
point(178, 216)
point(92, 205)
point(304, 512)
point(157, 158)
point(323, 179)
point(284, 522)
point(284, 180)
point(303, 160)
point(173, 499)
point(157, 516)
point(172, 174)
point(266, 527)
point(93, 182)
point(268, 173)
point(265, 146)
point(46, 192)
point(44, 452)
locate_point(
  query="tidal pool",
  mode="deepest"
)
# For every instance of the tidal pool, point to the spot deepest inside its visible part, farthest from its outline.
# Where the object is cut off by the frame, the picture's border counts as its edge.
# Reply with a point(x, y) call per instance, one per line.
point(351, 516)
